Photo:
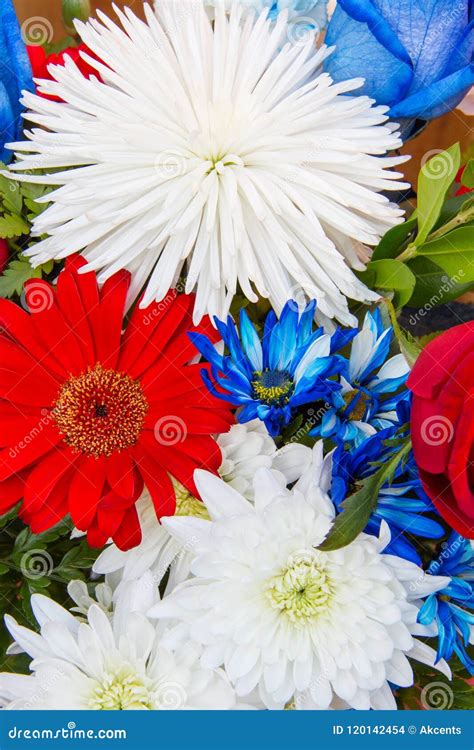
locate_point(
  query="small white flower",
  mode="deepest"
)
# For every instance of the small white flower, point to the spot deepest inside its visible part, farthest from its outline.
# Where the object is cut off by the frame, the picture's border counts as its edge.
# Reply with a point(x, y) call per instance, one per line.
point(305, 627)
point(220, 150)
point(107, 663)
point(245, 448)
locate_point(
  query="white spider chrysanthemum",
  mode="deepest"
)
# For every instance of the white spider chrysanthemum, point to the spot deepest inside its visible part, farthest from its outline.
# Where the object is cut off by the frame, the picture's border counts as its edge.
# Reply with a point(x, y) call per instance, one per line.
point(245, 448)
point(219, 151)
point(295, 622)
point(113, 662)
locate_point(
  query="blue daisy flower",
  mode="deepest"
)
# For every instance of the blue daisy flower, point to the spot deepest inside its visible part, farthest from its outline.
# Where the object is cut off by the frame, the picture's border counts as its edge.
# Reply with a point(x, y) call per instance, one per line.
point(451, 609)
point(269, 378)
point(403, 504)
point(362, 405)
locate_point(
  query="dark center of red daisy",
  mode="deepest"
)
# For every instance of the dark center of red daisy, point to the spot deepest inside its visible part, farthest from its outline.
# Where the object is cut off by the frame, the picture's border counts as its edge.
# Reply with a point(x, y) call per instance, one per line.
point(100, 411)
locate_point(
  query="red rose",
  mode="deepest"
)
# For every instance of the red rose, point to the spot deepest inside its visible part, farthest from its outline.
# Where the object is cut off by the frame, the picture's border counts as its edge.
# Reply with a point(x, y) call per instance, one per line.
point(40, 60)
point(462, 188)
point(4, 255)
point(442, 424)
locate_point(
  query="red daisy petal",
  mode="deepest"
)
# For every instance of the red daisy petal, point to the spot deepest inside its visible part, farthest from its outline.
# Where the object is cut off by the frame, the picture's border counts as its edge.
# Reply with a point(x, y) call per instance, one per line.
point(16, 323)
point(11, 491)
point(112, 306)
point(85, 490)
point(158, 483)
point(102, 393)
point(51, 326)
point(50, 513)
point(129, 534)
point(34, 445)
point(43, 478)
point(72, 307)
point(149, 331)
point(121, 474)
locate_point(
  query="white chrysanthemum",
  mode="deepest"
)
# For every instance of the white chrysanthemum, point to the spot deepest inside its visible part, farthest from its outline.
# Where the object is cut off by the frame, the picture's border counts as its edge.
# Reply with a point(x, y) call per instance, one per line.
point(301, 625)
point(114, 664)
point(245, 448)
point(222, 149)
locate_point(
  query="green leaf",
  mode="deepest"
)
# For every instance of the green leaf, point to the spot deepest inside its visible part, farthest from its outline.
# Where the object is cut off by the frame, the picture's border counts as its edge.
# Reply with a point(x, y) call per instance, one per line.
point(393, 241)
point(11, 194)
point(467, 178)
point(12, 225)
point(453, 252)
point(433, 285)
point(358, 507)
point(390, 275)
point(434, 181)
point(17, 273)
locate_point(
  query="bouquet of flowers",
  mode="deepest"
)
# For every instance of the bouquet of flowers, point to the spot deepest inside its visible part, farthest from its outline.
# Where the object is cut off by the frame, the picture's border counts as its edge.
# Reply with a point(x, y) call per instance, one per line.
point(232, 475)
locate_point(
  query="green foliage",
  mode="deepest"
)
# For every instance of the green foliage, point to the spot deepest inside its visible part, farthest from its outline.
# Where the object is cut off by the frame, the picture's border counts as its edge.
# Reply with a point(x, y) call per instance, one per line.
point(428, 260)
point(358, 507)
point(468, 175)
point(36, 563)
point(433, 691)
point(391, 275)
point(434, 181)
point(17, 273)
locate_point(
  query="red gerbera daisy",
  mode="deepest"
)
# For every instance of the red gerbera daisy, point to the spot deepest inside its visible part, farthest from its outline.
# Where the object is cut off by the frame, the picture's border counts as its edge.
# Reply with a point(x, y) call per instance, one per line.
point(90, 415)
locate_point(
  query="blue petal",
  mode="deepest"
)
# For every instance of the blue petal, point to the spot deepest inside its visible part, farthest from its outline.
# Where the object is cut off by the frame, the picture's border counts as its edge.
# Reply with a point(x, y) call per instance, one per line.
point(204, 346)
point(251, 342)
point(15, 75)
point(428, 610)
point(429, 30)
point(367, 12)
point(437, 98)
point(283, 338)
point(359, 54)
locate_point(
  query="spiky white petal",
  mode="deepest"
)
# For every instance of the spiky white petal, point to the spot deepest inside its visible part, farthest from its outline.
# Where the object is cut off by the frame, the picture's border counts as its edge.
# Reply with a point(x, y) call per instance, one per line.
point(218, 151)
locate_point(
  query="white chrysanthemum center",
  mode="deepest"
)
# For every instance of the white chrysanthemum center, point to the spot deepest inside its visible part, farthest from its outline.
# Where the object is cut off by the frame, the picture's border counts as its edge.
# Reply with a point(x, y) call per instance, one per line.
point(303, 591)
point(122, 689)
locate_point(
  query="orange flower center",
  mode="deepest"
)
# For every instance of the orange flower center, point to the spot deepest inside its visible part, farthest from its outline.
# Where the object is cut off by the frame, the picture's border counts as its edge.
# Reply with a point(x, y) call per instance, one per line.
point(100, 411)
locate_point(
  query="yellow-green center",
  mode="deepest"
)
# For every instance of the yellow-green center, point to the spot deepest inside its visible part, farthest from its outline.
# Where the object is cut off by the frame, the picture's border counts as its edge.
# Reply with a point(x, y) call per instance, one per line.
point(121, 690)
point(273, 386)
point(187, 504)
point(302, 592)
point(356, 404)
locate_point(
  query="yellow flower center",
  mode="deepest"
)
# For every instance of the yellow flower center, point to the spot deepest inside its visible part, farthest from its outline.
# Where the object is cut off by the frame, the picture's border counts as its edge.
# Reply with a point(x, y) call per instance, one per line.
point(100, 411)
point(121, 690)
point(273, 387)
point(303, 591)
point(187, 504)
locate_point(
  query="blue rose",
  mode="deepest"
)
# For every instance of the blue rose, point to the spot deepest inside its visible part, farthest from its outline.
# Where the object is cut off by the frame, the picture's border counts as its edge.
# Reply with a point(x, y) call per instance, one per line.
point(416, 56)
point(15, 75)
